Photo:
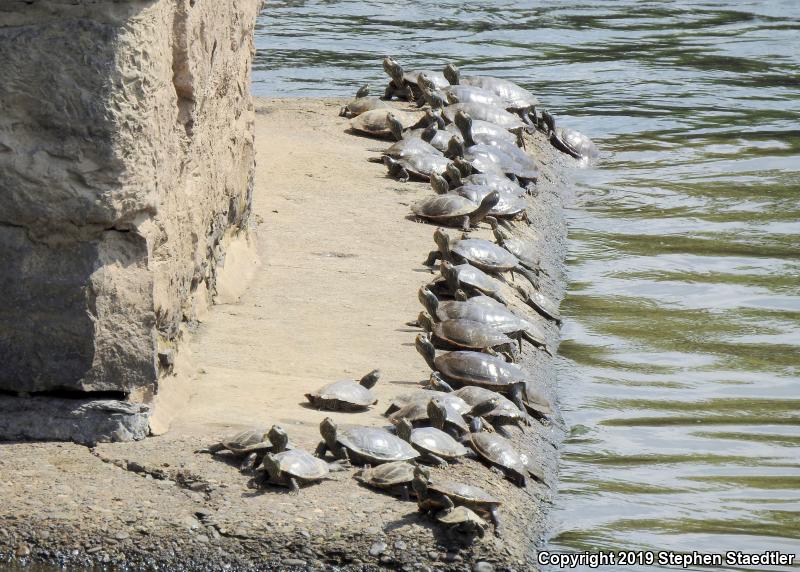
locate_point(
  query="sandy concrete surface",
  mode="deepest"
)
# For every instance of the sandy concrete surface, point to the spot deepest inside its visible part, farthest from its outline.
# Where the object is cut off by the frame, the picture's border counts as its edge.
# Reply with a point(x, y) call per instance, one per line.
point(340, 265)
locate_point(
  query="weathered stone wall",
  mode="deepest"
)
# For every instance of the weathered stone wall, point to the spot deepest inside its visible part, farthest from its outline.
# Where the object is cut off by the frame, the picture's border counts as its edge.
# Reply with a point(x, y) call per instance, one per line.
point(126, 161)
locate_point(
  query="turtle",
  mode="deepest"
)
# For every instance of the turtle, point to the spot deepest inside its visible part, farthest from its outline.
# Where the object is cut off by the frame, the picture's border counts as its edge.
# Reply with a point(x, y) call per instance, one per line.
point(490, 113)
point(409, 146)
point(516, 98)
point(491, 131)
point(404, 85)
point(438, 138)
point(292, 467)
point(536, 402)
point(470, 279)
point(363, 103)
point(478, 252)
point(459, 333)
point(395, 477)
point(524, 250)
point(418, 413)
point(362, 445)
point(346, 395)
point(431, 493)
point(494, 181)
point(541, 303)
point(568, 140)
point(454, 209)
point(505, 411)
point(461, 519)
point(434, 445)
point(486, 310)
point(450, 94)
point(485, 158)
point(499, 453)
point(508, 207)
point(249, 444)
point(424, 396)
point(466, 367)
point(417, 166)
point(401, 131)
point(378, 122)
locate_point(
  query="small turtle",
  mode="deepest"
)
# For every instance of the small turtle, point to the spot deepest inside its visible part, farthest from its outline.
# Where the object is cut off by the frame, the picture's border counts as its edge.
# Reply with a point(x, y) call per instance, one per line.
point(363, 445)
point(524, 250)
point(459, 333)
point(499, 453)
point(516, 98)
point(494, 181)
point(439, 139)
point(485, 158)
point(455, 210)
point(568, 140)
point(292, 467)
point(504, 412)
point(418, 166)
point(490, 113)
point(475, 368)
point(346, 395)
point(435, 446)
point(409, 146)
point(486, 310)
point(424, 396)
point(419, 414)
point(539, 302)
point(250, 444)
point(449, 94)
point(378, 122)
point(405, 85)
point(460, 519)
point(394, 477)
point(507, 207)
point(362, 103)
point(472, 280)
point(536, 402)
point(430, 496)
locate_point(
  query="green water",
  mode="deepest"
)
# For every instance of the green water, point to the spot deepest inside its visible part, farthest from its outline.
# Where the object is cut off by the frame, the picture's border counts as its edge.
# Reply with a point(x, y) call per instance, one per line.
point(680, 367)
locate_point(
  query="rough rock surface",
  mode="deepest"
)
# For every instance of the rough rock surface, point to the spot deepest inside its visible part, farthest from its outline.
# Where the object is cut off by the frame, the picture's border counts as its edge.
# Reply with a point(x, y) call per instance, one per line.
point(126, 162)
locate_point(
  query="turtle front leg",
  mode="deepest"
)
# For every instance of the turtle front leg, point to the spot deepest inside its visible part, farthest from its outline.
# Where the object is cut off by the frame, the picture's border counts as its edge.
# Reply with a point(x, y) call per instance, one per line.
point(465, 226)
point(433, 256)
point(339, 465)
point(294, 487)
point(322, 448)
point(515, 394)
point(494, 516)
point(249, 463)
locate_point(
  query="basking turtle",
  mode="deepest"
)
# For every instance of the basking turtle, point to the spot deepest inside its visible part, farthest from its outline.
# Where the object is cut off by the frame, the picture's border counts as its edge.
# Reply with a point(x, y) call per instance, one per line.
point(378, 122)
point(541, 303)
point(461, 520)
point(394, 477)
point(568, 140)
point(490, 113)
point(485, 158)
point(346, 395)
point(478, 252)
point(418, 166)
point(419, 414)
point(536, 402)
point(424, 396)
point(486, 310)
point(363, 445)
point(499, 453)
point(363, 103)
point(250, 444)
point(475, 368)
point(431, 493)
point(455, 210)
point(524, 250)
point(516, 98)
point(450, 94)
point(292, 467)
point(459, 334)
point(438, 138)
point(468, 278)
point(507, 206)
point(410, 146)
point(405, 85)
point(500, 183)
point(434, 445)
point(491, 131)
point(504, 411)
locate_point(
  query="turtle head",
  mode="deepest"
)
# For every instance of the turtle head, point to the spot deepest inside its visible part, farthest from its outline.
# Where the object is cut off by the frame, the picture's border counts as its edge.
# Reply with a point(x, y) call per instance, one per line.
point(455, 147)
point(278, 438)
point(363, 91)
point(487, 204)
point(439, 184)
point(425, 84)
point(393, 69)
point(455, 175)
point(549, 121)
point(460, 295)
point(452, 74)
point(485, 407)
point(476, 425)
point(370, 379)
point(425, 321)
point(428, 299)
point(396, 170)
point(328, 431)
point(464, 123)
point(436, 382)
point(426, 349)
point(272, 466)
point(403, 429)
point(464, 166)
point(450, 275)
point(395, 126)
point(442, 240)
point(437, 412)
point(436, 101)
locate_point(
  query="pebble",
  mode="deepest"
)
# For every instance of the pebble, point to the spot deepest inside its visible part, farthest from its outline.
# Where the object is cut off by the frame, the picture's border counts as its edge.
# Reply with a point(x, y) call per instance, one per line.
point(294, 562)
point(483, 567)
point(122, 536)
point(93, 549)
point(201, 538)
point(377, 549)
point(23, 550)
point(400, 545)
point(452, 557)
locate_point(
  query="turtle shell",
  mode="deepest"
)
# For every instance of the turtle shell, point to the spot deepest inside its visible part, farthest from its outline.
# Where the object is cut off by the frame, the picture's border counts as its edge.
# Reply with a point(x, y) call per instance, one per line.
point(476, 368)
point(485, 131)
point(363, 104)
point(424, 396)
point(247, 441)
point(302, 465)
point(463, 517)
point(483, 112)
point(508, 205)
point(472, 94)
point(534, 399)
point(477, 395)
point(491, 158)
point(544, 305)
point(345, 394)
point(387, 475)
point(513, 95)
point(533, 470)
point(498, 451)
point(442, 207)
point(423, 164)
point(375, 444)
point(524, 250)
point(411, 146)
point(469, 334)
point(486, 255)
point(437, 442)
point(376, 121)
point(438, 79)
point(463, 493)
point(414, 411)
point(578, 141)
point(477, 278)
point(495, 182)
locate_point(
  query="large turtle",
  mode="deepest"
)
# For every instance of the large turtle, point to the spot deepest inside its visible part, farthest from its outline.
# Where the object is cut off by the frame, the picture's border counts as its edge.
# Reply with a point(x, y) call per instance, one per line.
point(471, 280)
point(500, 454)
point(394, 477)
point(363, 103)
point(490, 113)
point(431, 493)
point(455, 210)
point(434, 445)
point(485, 158)
point(405, 85)
point(346, 395)
point(419, 414)
point(508, 206)
point(419, 166)
point(525, 250)
point(362, 445)
point(460, 334)
point(410, 146)
point(424, 396)
point(568, 140)
point(250, 444)
point(516, 98)
point(475, 368)
point(292, 467)
point(378, 122)
point(504, 411)
point(494, 181)
point(451, 94)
